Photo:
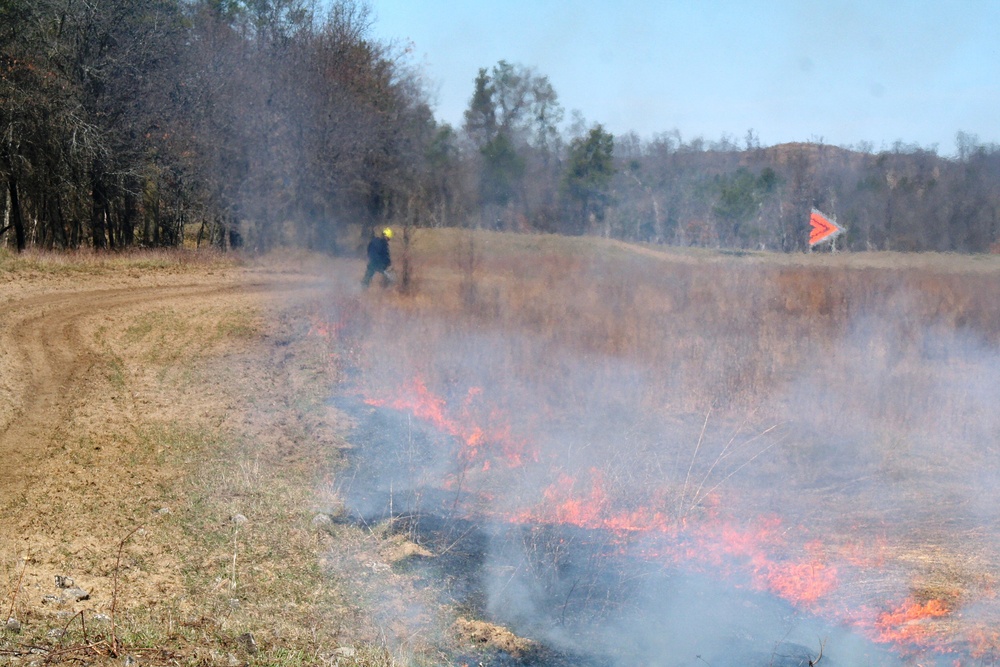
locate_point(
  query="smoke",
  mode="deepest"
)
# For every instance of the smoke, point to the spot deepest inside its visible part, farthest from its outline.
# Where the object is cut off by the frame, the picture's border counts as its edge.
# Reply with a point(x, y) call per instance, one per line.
point(918, 414)
point(592, 517)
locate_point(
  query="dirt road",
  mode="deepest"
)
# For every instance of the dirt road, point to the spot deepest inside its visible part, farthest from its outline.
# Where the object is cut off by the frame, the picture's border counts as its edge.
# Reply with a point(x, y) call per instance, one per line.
point(92, 365)
point(52, 352)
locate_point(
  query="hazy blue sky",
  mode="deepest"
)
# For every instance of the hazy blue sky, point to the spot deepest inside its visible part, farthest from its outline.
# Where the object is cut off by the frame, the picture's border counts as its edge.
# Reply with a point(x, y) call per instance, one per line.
point(793, 70)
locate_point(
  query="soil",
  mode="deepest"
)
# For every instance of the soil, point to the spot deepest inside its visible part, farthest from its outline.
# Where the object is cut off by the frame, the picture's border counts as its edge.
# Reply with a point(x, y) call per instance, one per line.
point(77, 473)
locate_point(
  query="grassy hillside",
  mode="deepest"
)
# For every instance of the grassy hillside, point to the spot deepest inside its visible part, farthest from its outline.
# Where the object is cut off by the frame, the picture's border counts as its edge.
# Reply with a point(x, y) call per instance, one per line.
point(847, 397)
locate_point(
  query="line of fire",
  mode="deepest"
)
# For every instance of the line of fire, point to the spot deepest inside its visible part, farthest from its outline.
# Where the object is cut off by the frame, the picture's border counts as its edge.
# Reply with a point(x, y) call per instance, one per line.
point(582, 537)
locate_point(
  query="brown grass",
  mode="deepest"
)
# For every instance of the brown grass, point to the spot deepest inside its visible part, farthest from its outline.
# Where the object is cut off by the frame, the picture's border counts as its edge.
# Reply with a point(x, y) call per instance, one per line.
point(193, 410)
point(731, 331)
point(875, 370)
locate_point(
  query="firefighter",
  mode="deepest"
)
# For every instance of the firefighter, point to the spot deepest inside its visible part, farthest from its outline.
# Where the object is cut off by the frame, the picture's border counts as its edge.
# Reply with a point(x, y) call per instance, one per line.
point(378, 257)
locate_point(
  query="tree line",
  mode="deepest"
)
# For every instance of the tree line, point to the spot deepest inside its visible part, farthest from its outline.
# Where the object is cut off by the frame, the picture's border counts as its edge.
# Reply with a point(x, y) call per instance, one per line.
point(131, 122)
point(261, 123)
point(905, 198)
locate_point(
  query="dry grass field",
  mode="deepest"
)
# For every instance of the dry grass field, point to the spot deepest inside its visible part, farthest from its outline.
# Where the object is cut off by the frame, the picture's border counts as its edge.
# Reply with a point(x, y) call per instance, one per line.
point(823, 423)
point(820, 428)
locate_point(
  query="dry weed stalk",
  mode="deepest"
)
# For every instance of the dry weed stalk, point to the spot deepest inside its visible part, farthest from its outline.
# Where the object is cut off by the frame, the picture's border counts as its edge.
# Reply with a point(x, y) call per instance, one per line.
point(114, 592)
point(822, 645)
point(83, 625)
point(728, 450)
point(232, 579)
point(17, 587)
point(694, 457)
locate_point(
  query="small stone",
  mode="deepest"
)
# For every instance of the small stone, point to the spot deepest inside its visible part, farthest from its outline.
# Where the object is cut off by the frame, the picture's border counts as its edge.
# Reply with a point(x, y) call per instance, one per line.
point(238, 519)
point(163, 511)
point(344, 652)
point(56, 632)
point(13, 625)
point(51, 599)
point(77, 594)
point(101, 618)
point(321, 520)
point(232, 660)
point(64, 582)
point(248, 642)
point(131, 661)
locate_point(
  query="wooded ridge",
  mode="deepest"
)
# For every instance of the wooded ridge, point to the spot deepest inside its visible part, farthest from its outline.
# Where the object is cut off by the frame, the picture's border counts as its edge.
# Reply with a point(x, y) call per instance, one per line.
point(261, 123)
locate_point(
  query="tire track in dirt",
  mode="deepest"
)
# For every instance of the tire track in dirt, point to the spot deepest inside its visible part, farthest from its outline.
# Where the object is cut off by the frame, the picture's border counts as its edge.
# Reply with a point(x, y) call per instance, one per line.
point(46, 335)
point(82, 464)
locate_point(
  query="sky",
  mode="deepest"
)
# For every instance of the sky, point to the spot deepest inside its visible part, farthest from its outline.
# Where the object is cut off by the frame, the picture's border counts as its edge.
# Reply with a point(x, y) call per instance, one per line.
point(871, 72)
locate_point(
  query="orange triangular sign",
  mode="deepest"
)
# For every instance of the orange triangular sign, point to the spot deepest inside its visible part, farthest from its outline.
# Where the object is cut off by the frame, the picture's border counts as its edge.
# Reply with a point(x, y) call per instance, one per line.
point(823, 228)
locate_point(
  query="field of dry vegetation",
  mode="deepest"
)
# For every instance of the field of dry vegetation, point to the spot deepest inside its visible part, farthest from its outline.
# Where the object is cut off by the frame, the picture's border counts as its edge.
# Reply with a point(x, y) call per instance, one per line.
point(835, 411)
point(186, 463)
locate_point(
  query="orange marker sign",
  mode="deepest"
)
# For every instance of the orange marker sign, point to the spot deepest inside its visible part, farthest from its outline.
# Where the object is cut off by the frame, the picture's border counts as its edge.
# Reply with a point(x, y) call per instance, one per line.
point(823, 228)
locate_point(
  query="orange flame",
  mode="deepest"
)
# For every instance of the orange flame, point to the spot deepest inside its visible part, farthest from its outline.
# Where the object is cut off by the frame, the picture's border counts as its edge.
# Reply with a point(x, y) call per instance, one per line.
point(907, 623)
point(758, 553)
point(424, 404)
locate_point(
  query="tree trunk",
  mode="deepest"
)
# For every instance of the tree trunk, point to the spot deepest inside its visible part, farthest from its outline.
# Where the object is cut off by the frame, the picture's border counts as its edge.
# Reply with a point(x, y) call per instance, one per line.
point(130, 213)
point(16, 217)
point(59, 225)
point(98, 215)
point(4, 196)
point(75, 231)
point(43, 235)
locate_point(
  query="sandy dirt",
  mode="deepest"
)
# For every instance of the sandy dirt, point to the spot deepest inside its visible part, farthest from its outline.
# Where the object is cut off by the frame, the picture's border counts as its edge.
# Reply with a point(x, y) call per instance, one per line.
point(78, 470)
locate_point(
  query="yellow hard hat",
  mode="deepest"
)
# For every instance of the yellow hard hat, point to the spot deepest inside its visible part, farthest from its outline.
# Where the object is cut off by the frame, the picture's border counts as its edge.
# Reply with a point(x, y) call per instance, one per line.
point(387, 232)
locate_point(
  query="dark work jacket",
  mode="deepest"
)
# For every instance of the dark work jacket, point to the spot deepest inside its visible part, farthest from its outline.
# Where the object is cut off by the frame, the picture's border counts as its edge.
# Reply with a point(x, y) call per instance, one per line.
point(378, 253)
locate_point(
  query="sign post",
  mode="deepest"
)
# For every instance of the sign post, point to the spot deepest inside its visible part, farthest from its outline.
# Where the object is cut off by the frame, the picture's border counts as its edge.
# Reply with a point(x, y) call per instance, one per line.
point(823, 228)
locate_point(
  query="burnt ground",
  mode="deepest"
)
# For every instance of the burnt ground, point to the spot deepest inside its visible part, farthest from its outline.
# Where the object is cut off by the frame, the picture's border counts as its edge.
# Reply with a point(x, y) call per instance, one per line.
point(573, 595)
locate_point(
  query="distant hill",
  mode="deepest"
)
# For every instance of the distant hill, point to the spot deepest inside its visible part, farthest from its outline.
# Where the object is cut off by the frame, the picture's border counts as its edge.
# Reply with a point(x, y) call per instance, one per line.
point(911, 200)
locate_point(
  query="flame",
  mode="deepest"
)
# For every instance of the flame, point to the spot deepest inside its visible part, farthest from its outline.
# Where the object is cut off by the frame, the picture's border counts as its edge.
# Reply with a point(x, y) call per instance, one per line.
point(719, 544)
point(425, 405)
point(907, 623)
point(806, 582)
point(759, 553)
